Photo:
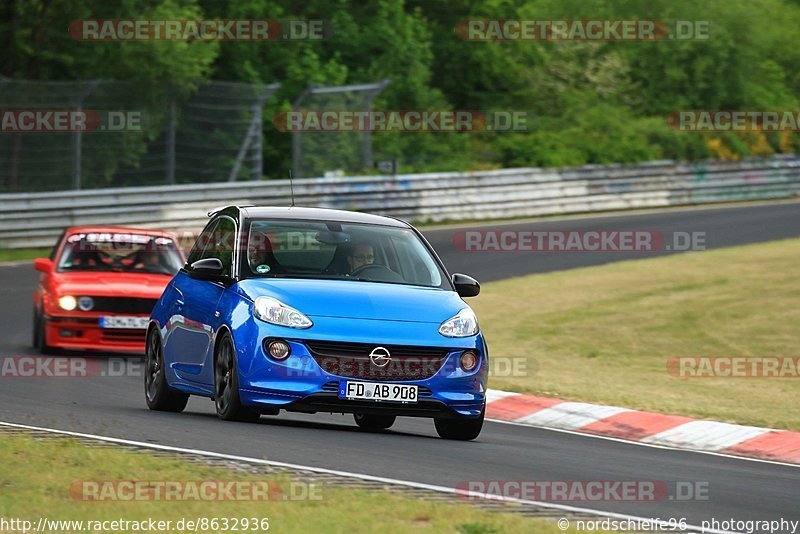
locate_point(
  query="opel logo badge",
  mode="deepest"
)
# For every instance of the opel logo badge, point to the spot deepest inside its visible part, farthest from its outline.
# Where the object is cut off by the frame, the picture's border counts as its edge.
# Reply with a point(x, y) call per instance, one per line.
point(380, 357)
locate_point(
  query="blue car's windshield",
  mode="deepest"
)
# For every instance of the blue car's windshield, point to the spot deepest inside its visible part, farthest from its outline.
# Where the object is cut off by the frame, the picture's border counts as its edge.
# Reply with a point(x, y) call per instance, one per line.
point(344, 251)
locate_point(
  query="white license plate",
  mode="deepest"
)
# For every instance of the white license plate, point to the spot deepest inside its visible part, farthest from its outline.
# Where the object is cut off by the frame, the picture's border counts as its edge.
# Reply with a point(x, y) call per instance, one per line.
point(378, 391)
point(118, 321)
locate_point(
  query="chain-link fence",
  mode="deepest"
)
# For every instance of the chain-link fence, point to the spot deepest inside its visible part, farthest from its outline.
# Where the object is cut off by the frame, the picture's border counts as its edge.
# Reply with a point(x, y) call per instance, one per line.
point(315, 153)
point(95, 134)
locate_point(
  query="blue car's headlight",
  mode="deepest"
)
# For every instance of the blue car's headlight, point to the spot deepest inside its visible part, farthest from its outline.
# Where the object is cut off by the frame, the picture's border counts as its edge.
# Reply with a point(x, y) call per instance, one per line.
point(462, 324)
point(276, 312)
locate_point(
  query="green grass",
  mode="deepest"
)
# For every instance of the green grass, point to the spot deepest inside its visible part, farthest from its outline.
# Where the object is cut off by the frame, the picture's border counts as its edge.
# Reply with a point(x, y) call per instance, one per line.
point(37, 474)
point(604, 334)
point(21, 254)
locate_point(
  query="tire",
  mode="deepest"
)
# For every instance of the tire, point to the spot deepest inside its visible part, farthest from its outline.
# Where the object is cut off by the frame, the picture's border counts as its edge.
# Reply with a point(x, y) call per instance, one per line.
point(36, 330)
point(157, 393)
point(374, 422)
point(463, 429)
point(226, 384)
point(40, 334)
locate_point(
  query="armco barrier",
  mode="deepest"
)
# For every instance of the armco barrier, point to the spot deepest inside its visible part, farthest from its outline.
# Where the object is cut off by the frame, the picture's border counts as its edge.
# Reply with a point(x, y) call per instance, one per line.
point(35, 219)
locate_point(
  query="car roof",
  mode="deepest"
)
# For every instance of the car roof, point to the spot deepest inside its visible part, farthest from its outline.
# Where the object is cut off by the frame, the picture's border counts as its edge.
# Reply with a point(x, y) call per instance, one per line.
point(116, 229)
point(319, 214)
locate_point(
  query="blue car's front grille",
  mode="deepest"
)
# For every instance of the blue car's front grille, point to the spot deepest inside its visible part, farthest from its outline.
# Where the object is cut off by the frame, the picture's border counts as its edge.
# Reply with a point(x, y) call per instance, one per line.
point(352, 360)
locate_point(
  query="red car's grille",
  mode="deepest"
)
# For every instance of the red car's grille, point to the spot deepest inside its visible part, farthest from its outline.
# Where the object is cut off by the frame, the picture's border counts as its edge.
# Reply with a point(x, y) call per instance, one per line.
point(352, 360)
point(123, 335)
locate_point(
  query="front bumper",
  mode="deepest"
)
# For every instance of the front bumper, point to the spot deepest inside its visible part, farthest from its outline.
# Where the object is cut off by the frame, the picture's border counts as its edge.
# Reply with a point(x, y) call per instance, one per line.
point(84, 333)
point(299, 383)
point(330, 402)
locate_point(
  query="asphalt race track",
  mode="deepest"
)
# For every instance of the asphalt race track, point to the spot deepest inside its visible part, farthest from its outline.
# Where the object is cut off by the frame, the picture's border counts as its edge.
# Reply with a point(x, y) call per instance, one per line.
point(114, 405)
point(722, 227)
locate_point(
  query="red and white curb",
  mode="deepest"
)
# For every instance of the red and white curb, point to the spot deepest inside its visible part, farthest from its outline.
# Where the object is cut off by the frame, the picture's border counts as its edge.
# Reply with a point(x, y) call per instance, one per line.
point(645, 427)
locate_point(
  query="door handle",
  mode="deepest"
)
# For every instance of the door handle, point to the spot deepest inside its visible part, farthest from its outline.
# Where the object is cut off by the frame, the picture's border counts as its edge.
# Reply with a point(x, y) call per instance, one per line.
point(179, 303)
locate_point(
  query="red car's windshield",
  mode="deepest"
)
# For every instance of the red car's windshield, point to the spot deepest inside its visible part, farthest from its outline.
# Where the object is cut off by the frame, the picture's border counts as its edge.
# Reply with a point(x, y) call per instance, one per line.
point(120, 252)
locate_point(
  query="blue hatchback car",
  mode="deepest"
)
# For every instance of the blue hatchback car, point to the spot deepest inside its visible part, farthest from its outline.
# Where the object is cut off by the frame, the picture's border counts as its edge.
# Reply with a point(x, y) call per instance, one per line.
point(316, 310)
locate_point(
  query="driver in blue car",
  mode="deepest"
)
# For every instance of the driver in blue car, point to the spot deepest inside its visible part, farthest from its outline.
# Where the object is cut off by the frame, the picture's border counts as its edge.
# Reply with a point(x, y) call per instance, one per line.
point(359, 256)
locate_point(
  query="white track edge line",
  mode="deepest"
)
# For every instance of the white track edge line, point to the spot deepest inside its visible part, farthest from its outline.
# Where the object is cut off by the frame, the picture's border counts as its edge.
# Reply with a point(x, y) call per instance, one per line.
point(15, 263)
point(373, 478)
point(641, 444)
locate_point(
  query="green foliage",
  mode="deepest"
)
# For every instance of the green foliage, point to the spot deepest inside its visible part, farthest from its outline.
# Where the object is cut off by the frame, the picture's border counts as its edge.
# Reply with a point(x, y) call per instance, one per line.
point(587, 102)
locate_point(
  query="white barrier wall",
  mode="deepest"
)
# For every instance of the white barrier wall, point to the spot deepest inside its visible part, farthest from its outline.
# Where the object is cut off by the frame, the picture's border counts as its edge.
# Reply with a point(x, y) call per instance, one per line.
point(35, 219)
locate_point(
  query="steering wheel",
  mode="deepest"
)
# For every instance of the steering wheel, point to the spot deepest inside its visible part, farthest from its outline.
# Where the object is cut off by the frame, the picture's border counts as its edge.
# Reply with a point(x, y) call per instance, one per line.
point(377, 273)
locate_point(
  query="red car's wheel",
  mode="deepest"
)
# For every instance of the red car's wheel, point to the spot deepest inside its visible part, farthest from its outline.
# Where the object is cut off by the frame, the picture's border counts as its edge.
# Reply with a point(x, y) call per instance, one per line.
point(40, 334)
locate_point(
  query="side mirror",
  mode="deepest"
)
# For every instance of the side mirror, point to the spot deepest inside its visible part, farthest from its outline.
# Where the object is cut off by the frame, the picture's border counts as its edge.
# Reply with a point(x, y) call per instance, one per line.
point(207, 268)
point(466, 286)
point(44, 265)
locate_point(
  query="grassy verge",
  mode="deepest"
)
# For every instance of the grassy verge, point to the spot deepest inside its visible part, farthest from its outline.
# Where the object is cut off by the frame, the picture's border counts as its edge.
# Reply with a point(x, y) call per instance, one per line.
point(604, 334)
point(21, 254)
point(31, 489)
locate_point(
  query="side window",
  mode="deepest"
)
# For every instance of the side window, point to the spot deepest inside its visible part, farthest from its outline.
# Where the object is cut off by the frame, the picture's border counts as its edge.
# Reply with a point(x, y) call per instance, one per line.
point(204, 241)
point(223, 242)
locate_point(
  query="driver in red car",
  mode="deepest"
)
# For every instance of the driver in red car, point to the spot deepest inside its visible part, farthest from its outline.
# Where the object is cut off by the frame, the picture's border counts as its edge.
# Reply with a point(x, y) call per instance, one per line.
point(149, 261)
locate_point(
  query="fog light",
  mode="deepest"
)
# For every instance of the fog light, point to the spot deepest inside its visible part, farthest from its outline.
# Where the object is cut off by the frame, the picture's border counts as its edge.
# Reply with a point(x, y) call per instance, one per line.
point(278, 350)
point(85, 303)
point(469, 361)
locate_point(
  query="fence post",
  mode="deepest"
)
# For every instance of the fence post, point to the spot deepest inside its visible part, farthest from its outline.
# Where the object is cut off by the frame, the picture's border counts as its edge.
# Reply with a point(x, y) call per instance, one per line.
point(170, 174)
point(371, 90)
point(257, 170)
point(76, 137)
point(297, 150)
point(366, 153)
point(254, 135)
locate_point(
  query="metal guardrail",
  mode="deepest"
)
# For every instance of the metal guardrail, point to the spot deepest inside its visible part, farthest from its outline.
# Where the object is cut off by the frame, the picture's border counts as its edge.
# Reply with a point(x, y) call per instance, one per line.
point(35, 219)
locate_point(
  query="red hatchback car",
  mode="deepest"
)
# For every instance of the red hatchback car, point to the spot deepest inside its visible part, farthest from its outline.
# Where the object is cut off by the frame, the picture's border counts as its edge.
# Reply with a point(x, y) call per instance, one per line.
point(99, 285)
